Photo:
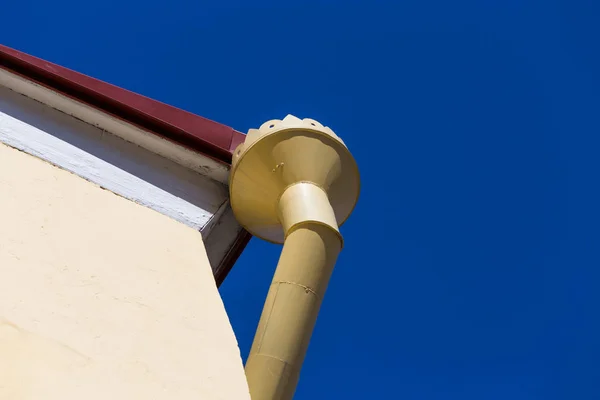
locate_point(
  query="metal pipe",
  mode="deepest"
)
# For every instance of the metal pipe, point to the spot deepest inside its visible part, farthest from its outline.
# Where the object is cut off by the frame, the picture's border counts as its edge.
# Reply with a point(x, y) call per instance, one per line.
point(292, 181)
point(309, 254)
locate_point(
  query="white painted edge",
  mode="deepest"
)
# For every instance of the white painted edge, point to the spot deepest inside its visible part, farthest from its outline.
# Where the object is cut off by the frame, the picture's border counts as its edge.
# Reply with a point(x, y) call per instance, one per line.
point(215, 217)
point(222, 237)
point(131, 133)
point(195, 211)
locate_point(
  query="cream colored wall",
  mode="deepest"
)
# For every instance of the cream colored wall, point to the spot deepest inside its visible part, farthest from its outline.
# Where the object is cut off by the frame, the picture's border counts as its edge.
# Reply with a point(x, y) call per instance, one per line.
point(101, 298)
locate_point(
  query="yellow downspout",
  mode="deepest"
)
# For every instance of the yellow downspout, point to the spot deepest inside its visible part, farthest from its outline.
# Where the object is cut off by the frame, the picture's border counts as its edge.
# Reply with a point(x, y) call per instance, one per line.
point(292, 181)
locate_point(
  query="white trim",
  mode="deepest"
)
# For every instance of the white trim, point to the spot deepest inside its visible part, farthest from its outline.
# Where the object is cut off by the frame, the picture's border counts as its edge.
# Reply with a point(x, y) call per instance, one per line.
point(179, 154)
point(110, 162)
point(222, 237)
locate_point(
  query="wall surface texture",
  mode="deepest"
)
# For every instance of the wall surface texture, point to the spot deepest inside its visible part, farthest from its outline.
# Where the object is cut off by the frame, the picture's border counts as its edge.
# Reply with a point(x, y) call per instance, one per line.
point(102, 298)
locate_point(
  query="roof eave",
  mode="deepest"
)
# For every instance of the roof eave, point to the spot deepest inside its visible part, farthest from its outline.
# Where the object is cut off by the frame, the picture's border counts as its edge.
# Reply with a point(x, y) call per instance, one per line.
point(199, 134)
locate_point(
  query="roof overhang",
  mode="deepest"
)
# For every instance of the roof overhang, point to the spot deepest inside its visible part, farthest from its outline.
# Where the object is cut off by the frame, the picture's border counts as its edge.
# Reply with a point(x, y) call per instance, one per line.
point(194, 142)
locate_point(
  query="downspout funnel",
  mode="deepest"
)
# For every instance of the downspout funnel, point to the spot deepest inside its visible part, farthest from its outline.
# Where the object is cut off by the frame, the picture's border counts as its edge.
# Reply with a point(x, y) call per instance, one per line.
point(293, 182)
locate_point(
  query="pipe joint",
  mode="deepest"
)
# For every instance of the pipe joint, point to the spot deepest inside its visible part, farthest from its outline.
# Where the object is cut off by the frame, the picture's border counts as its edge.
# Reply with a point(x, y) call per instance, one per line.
point(305, 202)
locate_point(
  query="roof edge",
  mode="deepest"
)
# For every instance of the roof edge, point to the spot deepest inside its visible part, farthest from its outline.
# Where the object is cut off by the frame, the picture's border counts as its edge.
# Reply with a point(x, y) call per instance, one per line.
point(192, 131)
point(205, 136)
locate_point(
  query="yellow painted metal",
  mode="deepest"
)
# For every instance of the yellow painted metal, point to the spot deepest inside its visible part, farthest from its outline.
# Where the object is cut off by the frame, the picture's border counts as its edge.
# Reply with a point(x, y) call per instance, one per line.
point(290, 311)
point(292, 181)
point(280, 154)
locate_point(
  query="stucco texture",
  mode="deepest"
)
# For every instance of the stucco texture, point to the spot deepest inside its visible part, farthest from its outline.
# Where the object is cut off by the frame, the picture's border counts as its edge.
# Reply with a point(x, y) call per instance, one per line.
point(101, 298)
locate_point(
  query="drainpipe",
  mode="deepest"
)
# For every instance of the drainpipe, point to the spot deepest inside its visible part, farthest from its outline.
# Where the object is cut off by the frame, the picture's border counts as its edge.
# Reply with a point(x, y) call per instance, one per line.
point(293, 182)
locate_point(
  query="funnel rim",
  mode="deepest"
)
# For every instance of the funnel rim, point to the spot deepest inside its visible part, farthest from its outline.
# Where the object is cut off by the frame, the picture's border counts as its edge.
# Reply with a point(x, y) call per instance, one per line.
point(241, 156)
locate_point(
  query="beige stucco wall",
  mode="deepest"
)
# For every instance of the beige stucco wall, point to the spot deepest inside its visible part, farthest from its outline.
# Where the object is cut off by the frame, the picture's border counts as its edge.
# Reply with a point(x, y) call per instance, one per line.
point(101, 298)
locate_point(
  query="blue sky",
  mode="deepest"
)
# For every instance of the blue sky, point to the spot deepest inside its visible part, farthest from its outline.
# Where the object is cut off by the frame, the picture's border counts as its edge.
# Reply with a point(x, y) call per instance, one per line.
point(471, 266)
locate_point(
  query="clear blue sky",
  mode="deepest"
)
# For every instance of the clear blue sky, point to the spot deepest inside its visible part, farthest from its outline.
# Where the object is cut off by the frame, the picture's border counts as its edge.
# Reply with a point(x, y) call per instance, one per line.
point(471, 266)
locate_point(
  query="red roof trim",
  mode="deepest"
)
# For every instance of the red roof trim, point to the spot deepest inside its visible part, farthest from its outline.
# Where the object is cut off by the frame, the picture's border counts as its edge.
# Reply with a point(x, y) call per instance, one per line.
point(203, 135)
point(197, 133)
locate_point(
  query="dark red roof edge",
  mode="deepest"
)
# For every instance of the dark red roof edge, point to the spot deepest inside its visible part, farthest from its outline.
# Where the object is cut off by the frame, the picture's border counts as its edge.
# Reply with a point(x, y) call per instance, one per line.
point(203, 135)
point(208, 137)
